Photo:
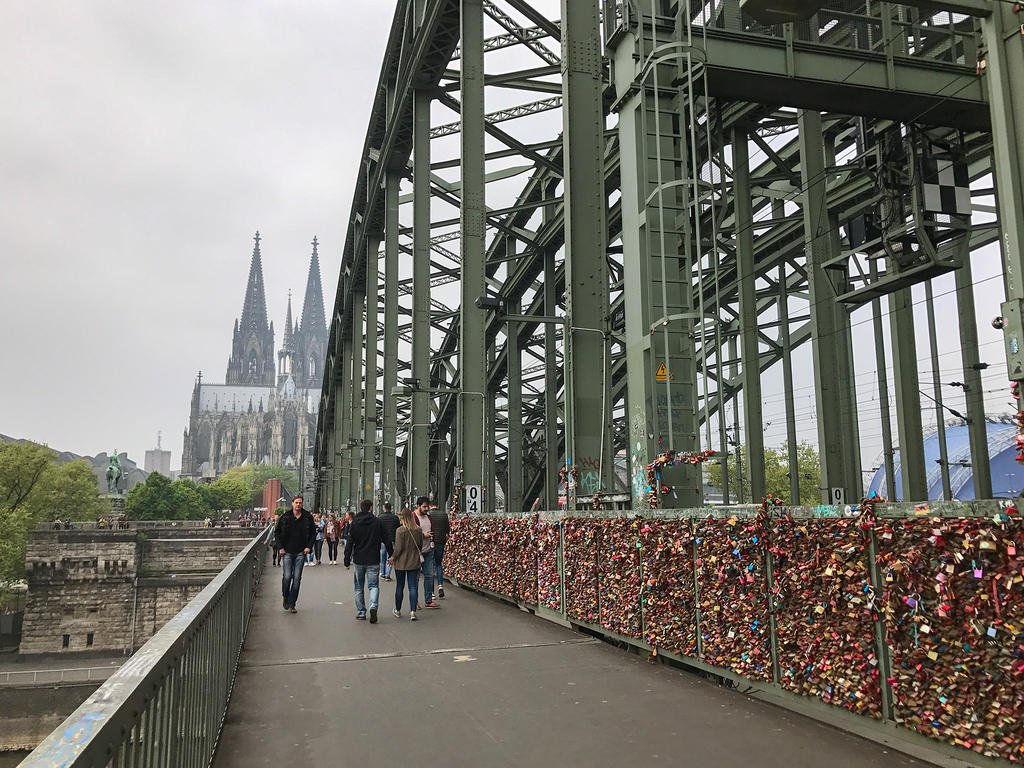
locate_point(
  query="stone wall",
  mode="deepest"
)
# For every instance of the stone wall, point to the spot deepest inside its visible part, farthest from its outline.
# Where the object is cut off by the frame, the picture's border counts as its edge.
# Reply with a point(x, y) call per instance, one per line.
point(111, 590)
point(29, 714)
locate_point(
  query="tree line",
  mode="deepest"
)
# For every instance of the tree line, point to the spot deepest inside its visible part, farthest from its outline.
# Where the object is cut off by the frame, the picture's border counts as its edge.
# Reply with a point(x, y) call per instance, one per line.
point(35, 489)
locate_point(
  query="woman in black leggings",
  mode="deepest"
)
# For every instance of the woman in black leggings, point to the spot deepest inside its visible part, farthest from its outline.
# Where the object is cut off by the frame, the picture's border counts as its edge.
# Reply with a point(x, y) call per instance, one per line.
point(332, 534)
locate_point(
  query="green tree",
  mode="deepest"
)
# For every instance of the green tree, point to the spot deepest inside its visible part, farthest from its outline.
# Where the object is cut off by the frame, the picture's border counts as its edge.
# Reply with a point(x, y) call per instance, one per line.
point(33, 489)
point(189, 500)
point(159, 499)
point(22, 470)
point(225, 493)
point(776, 468)
point(255, 477)
point(152, 500)
point(69, 492)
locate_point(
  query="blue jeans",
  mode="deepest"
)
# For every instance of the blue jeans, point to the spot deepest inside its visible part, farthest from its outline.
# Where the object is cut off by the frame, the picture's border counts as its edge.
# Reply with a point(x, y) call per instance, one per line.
point(438, 568)
point(363, 574)
point(291, 576)
point(413, 578)
point(385, 569)
point(428, 576)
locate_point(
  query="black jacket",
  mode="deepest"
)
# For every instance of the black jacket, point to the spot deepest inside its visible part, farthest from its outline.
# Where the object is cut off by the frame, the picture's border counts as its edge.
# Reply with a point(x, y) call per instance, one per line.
point(365, 536)
point(295, 534)
point(440, 525)
point(390, 522)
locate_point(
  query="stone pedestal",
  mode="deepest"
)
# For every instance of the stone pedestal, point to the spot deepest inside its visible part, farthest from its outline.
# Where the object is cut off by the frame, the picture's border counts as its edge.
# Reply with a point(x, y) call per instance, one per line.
point(116, 502)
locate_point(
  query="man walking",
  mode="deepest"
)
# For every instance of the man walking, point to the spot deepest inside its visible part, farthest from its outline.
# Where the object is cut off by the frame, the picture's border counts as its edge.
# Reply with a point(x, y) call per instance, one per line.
point(295, 533)
point(366, 534)
point(440, 525)
point(272, 540)
point(423, 518)
point(390, 521)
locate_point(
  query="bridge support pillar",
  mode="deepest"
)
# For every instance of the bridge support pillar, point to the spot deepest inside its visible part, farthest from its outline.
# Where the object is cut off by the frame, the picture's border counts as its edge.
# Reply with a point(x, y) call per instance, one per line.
point(587, 364)
point(473, 228)
point(419, 448)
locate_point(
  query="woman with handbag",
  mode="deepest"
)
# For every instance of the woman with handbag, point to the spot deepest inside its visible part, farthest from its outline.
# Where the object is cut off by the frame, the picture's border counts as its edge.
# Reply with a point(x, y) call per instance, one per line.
point(406, 560)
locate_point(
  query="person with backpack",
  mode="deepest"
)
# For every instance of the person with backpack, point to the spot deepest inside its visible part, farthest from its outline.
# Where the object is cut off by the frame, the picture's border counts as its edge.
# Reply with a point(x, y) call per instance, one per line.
point(366, 535)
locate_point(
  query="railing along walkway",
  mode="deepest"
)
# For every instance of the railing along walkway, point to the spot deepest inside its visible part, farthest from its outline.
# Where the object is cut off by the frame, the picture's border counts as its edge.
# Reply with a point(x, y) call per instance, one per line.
point(165, 705)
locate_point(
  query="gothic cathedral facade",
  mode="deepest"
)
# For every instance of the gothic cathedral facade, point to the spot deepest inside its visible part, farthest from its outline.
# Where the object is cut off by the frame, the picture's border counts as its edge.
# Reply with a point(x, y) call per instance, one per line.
point(265, 411)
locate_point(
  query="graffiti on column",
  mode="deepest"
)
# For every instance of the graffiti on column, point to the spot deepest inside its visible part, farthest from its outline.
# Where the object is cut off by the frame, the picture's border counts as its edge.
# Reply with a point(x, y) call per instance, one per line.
point(590, 475)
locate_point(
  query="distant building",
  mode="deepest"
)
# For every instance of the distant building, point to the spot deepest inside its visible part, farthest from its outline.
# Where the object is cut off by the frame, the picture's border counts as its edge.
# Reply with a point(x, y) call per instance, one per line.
point(158, 460)
point(1007, 475)
point(262, 414)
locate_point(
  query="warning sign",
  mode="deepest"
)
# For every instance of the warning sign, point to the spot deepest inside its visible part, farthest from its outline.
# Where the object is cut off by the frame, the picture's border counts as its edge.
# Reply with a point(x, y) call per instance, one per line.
point(662, 374)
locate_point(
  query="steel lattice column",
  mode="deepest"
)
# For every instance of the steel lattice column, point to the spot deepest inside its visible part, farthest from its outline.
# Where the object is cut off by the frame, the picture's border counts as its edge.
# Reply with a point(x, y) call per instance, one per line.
point(838, 448)
point(343, 408)
point(370, 387)
point(909, 429)
point(658, 259)
point(355, 398)
point(552, 454)
point(973, 392)
point(752, 421)
point(1005, 60)
point(587, 365)
point(389, 431)
point(419, 453)
point(472, 358)
point(514, 455)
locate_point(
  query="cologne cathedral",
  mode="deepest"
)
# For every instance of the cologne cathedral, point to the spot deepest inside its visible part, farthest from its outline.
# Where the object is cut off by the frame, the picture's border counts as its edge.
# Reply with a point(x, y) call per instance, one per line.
point(265, 411)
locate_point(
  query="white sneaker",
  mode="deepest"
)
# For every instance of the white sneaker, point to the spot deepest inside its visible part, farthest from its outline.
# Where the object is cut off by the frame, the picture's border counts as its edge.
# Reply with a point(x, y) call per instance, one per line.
point(397, 613)
point(412, 616)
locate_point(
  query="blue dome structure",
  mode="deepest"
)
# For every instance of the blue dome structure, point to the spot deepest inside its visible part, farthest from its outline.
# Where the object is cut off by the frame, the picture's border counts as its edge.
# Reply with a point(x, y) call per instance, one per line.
point(1007, 474)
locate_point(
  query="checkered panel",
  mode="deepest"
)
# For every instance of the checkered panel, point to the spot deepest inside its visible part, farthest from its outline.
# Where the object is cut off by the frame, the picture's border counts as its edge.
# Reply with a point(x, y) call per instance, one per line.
point(945, 186)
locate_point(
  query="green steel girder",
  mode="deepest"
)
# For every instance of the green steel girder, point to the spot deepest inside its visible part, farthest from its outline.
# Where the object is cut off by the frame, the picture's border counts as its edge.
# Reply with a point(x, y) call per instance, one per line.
point(740, 65)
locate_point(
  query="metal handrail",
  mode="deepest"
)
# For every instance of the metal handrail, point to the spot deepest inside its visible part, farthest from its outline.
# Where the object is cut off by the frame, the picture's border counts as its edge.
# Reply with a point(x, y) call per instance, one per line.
point(122, 524)
point(166, 705)
point(15, 677)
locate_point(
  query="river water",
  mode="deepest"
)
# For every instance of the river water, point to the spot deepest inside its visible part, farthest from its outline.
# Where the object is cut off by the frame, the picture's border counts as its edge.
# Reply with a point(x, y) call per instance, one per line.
point(11, 759)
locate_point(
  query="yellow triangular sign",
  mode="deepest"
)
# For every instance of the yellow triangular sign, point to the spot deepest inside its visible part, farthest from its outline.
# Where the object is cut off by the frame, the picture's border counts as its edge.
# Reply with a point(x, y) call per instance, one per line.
point(662, 374)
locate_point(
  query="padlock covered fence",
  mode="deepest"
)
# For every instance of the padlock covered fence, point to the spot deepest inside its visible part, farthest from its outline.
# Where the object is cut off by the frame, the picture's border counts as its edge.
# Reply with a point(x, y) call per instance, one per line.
point(908, 615)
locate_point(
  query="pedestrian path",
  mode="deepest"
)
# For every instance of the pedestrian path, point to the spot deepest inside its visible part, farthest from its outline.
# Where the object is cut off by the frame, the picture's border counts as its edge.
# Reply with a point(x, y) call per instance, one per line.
point(479, 683)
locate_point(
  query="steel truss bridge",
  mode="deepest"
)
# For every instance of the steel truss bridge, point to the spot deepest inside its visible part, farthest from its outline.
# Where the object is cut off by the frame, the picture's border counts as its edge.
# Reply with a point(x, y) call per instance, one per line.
point(525, 300)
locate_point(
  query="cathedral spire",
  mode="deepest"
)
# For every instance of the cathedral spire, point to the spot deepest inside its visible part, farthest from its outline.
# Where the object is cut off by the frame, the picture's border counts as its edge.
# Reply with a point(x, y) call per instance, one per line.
point(252, 342)
point(287, 343)
point(254, 309)
point(313, 321)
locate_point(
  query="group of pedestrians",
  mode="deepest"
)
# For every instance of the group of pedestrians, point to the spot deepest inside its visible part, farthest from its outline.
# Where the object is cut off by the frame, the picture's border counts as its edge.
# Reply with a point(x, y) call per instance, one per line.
point(399, 548)
point(331, 530)
point(327, 529)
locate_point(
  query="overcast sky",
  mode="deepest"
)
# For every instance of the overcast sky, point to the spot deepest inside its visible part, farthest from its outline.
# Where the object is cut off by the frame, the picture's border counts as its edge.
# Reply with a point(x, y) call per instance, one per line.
point(141, 145)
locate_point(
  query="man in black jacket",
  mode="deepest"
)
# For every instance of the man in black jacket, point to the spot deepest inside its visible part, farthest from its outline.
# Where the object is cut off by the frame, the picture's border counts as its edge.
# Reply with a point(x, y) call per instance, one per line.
point(390, 521)
point(295, 534)
point(366, 534)
point(440, 526)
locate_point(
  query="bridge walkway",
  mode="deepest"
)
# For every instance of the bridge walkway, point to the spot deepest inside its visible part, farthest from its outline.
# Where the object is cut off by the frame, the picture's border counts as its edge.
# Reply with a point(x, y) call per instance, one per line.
point(480, 683)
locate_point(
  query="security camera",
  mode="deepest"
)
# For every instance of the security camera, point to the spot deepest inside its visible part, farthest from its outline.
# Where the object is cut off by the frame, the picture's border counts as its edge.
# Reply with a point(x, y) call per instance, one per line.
point(998, 323)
